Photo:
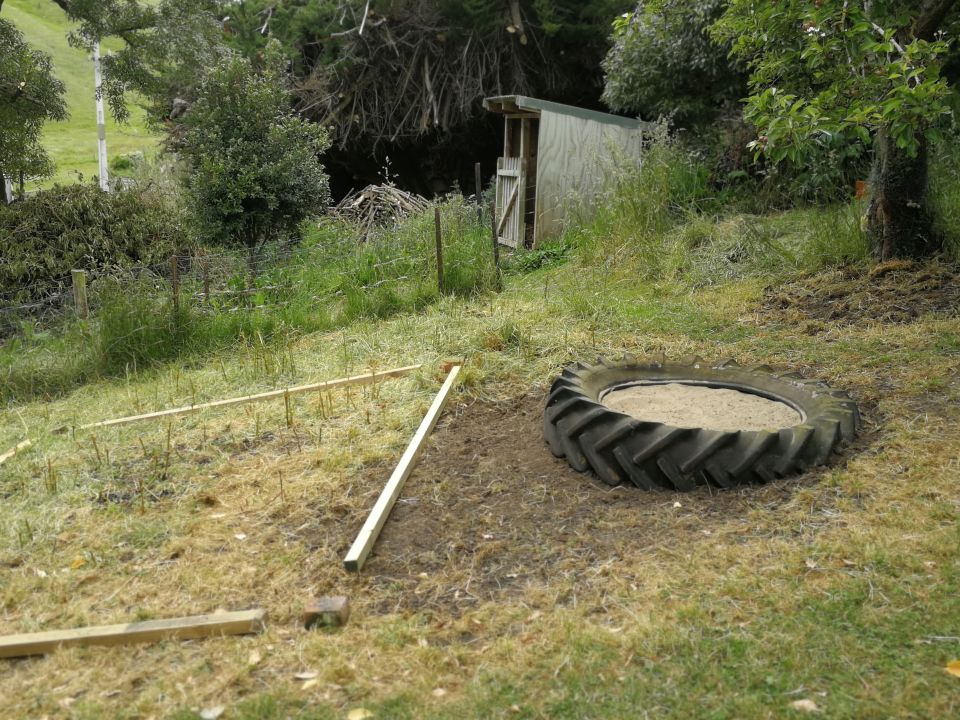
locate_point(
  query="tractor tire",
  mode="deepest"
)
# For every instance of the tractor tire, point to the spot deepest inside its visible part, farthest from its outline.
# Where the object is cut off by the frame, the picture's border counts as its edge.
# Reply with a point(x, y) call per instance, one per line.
point(622, 449)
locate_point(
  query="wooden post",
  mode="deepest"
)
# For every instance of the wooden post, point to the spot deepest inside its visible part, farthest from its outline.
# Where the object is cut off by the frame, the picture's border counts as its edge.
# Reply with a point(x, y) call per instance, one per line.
point(479, 183)
point(498, 281)
point(205, 269)
point(436, 221)
point(175, 283)
point(80, 293)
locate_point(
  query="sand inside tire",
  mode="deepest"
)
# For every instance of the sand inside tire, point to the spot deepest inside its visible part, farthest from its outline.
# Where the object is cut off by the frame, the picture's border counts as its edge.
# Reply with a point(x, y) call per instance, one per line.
point(697, 406)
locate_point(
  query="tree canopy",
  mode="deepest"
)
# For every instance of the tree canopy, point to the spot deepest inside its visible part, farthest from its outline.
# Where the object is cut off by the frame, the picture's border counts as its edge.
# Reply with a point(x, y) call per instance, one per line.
point(255, 172)
point(665, 63)
point(410, 67)
point(869, 72)
point(30, 95)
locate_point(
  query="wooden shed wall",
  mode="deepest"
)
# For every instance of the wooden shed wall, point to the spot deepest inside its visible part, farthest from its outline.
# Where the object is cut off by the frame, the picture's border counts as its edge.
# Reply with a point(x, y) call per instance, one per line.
point(575, 156)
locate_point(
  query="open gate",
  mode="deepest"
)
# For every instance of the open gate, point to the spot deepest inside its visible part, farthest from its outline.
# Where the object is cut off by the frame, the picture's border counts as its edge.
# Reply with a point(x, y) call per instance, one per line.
point(511, 200)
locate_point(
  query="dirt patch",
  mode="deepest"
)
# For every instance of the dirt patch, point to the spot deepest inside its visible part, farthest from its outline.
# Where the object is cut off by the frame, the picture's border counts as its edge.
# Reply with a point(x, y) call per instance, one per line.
point(490, 513)
point(694, 406)
point(898, 291)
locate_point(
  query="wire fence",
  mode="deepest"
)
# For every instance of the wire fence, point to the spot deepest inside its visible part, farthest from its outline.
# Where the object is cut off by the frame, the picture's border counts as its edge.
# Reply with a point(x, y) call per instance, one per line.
point(450, 252)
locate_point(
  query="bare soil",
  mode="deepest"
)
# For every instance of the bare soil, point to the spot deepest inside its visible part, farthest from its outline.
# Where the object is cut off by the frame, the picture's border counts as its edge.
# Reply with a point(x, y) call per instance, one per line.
point(695, 406)
point(490, 513)
point(896, 292)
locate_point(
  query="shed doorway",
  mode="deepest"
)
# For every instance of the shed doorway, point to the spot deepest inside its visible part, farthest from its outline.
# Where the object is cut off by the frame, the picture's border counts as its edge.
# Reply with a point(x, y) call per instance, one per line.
point(517, 181)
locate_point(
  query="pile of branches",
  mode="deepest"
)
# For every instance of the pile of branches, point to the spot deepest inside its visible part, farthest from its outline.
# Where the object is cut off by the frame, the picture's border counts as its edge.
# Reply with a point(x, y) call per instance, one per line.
point(400, 75)
point(378, 206)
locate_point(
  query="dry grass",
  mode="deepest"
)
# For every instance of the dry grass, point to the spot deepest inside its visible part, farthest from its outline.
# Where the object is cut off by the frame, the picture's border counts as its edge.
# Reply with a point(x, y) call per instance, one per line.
point(582, 602)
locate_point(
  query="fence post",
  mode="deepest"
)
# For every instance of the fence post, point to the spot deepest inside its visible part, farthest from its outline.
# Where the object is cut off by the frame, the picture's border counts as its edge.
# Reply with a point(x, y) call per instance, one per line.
point(436, 222)
point(175, 283)
point(205, 268)
point(79, 278)
point(479, 184)
point(498, 282)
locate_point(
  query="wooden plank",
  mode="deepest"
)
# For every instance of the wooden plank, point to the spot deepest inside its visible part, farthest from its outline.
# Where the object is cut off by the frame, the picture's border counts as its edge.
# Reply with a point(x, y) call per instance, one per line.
point(508, 208)
point(185, 628)
point(367, 379)
point(363, 544)
point(22, 445)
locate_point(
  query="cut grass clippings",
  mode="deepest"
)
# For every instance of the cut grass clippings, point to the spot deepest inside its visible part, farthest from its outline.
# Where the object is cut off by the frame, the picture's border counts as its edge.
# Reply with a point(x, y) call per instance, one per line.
point(840, 586)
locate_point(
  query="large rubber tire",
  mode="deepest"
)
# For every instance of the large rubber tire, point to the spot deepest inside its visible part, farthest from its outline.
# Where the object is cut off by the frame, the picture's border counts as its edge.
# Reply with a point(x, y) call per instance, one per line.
point(621, 449)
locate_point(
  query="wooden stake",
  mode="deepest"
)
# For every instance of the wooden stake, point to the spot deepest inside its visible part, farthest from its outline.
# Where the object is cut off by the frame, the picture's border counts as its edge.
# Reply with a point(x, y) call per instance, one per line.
point(186, 628)
point(22, 445)
point(436, 222)
point(326, 612)
point(205, 269)
point(175, 283)
point(479, 184)
point(498, 280)
point(391, 492)
point(329, 384)
point(79, 278)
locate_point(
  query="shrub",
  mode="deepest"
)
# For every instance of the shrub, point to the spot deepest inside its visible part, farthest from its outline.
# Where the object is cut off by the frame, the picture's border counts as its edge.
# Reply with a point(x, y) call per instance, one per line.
point(255, 174)
point(70, 227)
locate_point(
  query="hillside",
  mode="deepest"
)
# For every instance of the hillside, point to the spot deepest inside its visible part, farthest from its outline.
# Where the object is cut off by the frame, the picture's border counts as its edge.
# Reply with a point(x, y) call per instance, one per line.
point(73, 143)
point(505, 584)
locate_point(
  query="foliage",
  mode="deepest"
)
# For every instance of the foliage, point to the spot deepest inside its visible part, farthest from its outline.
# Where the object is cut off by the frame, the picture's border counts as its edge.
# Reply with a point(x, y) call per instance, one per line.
point(254, 167)
point(168, 45)
point(833, 69)
point(48, 234)
point(664, 63)
point(30, 95)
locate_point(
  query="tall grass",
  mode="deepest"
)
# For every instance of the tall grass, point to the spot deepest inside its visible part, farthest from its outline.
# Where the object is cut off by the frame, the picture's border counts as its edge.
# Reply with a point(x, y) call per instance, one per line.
point(330, 280)
point(944, 193)
point(664, 221)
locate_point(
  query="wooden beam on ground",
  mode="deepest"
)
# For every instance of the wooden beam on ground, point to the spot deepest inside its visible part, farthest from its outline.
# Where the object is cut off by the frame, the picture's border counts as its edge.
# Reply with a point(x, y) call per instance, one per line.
point(391, 492)
point(186, 628)
point(22, 445)
point(367, 379)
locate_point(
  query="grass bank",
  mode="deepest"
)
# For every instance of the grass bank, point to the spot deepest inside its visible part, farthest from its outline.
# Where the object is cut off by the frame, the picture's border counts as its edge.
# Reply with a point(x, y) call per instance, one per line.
point(550, 596)
point(505, 584)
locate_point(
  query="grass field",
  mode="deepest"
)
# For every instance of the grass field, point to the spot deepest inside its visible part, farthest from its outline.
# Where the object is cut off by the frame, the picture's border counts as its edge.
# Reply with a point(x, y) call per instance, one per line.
point(506, 585)
point(73, 143)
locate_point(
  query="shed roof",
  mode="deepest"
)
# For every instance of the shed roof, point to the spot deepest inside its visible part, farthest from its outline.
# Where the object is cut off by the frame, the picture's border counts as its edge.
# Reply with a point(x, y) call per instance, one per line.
point(522, 105)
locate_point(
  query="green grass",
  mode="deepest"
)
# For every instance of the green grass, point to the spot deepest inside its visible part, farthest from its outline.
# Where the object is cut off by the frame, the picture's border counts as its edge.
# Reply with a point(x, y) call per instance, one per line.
point(73, 143)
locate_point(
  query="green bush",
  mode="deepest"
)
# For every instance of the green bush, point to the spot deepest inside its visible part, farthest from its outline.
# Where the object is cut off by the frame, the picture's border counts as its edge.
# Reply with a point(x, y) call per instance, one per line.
point(255, 173)
point(49, 234)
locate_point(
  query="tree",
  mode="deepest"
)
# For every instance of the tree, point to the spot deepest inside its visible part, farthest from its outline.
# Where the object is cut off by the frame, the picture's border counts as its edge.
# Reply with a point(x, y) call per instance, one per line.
point(168, 44)
point(665, 63)
point(255, 174)
point(859, 71)
point(29, 96)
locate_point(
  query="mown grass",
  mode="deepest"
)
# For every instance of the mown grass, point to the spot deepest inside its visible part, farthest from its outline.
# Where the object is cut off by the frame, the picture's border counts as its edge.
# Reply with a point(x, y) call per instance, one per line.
point(840, 587)
point(73, 143)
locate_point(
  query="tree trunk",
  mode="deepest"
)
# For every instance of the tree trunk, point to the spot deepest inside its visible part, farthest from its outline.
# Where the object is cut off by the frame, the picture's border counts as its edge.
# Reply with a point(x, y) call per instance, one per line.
point(898, 220)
